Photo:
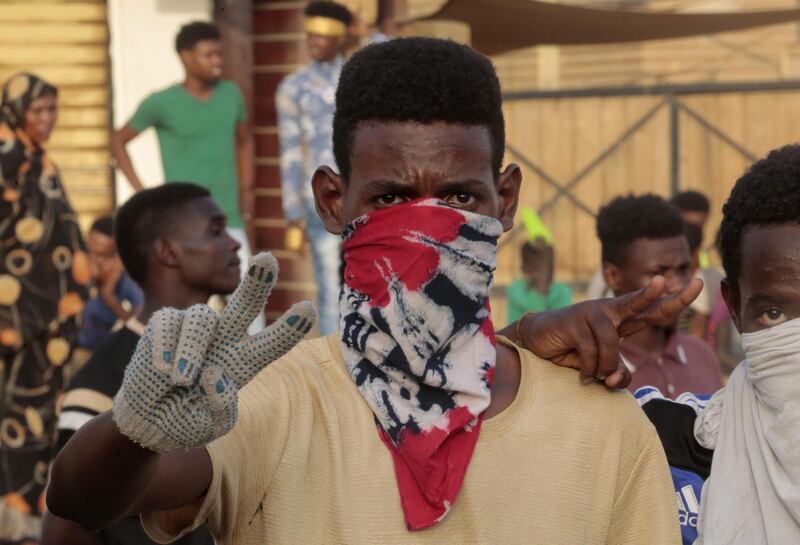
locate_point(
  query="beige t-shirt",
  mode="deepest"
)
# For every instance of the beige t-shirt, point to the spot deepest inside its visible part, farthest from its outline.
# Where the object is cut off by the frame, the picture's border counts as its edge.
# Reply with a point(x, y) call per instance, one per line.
point(563, 464)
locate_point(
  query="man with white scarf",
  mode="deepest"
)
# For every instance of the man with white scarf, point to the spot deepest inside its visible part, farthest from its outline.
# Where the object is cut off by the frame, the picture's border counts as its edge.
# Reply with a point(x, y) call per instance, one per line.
point(752, 495)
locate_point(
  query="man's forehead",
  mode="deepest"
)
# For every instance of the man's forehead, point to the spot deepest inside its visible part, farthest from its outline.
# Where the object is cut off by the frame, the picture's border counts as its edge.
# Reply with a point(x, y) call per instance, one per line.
point(201, 209)
point(207, 45)
point(675, 246)
point(379, 146)
point(771, 251)
point(412, 135)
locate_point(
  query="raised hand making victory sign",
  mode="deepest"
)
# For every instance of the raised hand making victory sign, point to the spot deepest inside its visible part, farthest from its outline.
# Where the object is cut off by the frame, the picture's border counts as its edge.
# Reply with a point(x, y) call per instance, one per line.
point(180, 389)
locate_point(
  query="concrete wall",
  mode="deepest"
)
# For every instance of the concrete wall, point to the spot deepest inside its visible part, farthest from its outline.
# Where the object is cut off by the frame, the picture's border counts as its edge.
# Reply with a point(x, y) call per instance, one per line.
point(143, 60)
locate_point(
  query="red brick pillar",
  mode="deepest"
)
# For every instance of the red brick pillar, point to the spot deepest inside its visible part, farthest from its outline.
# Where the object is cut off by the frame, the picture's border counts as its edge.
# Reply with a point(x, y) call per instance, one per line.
point(278, 49)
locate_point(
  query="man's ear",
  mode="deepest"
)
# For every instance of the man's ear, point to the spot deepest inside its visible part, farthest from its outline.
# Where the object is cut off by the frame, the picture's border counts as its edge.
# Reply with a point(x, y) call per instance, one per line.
point(612, 276)
point(165, 253)
point(329, 189)
point(730, 293)
point(185, 56)
point(508, 186)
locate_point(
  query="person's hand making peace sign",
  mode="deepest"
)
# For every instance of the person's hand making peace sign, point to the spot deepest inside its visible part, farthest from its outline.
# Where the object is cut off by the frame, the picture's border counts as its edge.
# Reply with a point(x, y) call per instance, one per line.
point(180, 389)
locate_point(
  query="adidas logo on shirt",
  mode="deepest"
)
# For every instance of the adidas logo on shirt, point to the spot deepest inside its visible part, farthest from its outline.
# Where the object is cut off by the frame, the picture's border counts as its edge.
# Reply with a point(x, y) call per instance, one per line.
point(688, 506)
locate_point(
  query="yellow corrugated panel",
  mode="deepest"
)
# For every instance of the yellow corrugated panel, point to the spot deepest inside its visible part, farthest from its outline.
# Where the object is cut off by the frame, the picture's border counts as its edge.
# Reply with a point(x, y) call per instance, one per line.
point(84, 96)
point(70, 138)
point(53, 54)
point(48, 33)
point(70, 116)
point(81, 158)
point(85, 179)
point(66, 43)
point(61, 75)
point(54, 11)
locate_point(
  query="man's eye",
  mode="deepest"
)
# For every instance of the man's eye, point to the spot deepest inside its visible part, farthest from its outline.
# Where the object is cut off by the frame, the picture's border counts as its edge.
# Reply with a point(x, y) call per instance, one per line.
point(772, 317)
point(388, 199)
point(462, 199)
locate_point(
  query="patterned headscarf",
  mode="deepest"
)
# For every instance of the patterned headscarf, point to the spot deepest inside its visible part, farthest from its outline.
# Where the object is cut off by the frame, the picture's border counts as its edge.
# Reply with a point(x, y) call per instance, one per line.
point(18, 94)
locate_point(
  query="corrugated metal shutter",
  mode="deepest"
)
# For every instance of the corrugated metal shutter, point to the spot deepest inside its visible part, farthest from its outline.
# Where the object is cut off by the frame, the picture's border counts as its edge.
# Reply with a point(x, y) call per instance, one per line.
point(66, 43)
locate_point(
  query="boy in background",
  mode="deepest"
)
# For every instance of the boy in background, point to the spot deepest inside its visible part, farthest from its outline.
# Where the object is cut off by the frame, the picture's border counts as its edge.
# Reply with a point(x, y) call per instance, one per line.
point(118, 297)
point(537, 291)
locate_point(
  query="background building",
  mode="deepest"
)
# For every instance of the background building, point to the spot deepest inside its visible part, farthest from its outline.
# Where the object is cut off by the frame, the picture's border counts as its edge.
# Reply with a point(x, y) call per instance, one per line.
point(586, 122)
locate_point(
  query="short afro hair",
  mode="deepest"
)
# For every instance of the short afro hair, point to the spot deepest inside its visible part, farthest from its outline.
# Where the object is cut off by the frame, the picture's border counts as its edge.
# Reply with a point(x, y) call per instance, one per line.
point(146, 217)
point(692, 201)
point(104, 226)
point(630, 218)
point(422, 80)
point(189, 35)
point(694, 236)
point(332, 10)
point(767, 194)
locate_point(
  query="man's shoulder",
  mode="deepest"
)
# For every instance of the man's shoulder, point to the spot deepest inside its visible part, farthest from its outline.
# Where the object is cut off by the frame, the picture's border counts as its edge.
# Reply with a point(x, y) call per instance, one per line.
point(228, 88)
point(294, 81)
point(560, 390)
point(314, 360)
point(166, 94)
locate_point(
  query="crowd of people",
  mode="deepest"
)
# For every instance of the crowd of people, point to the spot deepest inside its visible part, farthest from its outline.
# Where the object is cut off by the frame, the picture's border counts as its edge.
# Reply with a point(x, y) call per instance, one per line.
point(411, 418)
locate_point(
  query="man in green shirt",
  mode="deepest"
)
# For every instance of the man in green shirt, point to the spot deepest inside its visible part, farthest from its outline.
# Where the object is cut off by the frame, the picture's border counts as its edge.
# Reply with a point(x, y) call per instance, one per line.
point(203, 131)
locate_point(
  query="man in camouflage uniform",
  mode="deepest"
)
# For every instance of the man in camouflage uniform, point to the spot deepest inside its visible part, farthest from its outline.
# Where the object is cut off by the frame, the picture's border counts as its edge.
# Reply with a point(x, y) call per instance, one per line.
point(305, 104)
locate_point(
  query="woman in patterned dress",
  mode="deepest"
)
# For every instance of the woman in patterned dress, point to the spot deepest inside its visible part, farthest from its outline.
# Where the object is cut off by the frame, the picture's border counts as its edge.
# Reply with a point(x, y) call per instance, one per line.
point(44, 274)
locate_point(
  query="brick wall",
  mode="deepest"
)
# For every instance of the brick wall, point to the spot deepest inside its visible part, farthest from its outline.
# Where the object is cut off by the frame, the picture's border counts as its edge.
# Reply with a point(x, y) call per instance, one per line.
point(278, 49)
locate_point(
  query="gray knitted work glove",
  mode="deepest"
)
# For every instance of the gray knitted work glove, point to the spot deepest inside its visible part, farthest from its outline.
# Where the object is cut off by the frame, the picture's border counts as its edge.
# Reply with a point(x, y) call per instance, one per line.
point(180, 388)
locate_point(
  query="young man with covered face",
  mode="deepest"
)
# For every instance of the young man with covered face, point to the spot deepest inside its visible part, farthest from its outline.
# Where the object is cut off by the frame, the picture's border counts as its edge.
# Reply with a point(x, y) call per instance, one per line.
point(752, 427)
point(411, 425)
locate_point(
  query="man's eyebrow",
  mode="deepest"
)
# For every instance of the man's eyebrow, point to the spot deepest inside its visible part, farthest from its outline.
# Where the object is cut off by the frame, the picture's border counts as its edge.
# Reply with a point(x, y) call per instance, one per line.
point(388, 186)
point(462, 186)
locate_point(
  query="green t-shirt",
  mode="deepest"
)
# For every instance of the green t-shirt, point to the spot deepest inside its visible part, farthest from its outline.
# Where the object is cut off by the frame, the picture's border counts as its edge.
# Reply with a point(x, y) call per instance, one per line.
point(198, 139)
point(522, 299)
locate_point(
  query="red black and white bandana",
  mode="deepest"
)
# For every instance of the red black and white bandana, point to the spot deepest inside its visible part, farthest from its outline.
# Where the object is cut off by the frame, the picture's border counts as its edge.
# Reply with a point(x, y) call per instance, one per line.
point(418, 339)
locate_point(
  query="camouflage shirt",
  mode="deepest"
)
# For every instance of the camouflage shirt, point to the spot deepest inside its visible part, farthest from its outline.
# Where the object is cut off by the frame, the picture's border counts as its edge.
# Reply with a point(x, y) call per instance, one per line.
point(305, 103)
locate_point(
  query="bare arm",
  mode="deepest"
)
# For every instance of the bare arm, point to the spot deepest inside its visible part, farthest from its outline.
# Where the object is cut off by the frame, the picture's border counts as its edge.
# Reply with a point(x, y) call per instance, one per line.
point(178, 395)
point(119, 141)
point(586, 336)
point(101, 476)
point(58, 531)
point(108, 286)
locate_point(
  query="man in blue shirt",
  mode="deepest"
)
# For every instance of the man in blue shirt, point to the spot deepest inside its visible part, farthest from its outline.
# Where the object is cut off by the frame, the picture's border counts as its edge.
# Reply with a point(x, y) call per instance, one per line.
point(305, 105)
point(118, 297)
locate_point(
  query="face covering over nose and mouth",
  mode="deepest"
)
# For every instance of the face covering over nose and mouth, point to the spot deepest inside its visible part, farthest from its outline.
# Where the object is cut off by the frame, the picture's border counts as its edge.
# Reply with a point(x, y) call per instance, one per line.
point(418, 340)
point(753, 494)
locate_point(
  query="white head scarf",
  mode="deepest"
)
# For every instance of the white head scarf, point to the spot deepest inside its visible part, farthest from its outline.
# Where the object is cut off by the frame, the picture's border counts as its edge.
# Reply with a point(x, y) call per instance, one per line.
point(753, 494)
